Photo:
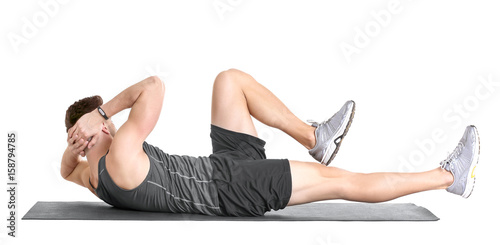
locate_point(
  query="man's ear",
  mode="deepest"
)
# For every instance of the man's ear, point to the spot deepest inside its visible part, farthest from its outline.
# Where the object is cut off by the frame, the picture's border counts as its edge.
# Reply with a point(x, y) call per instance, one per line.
point(105, 129)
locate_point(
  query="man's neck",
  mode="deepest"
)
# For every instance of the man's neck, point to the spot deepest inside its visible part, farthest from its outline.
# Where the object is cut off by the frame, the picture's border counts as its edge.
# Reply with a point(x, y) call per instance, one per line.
point(93, 159)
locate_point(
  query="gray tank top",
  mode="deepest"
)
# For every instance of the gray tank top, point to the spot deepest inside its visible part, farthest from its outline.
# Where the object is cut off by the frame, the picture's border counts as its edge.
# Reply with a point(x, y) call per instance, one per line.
point(176, 184)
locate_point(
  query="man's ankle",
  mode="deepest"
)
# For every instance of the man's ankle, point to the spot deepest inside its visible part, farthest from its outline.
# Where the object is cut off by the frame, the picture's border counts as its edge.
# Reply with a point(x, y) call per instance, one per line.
point(310, 138)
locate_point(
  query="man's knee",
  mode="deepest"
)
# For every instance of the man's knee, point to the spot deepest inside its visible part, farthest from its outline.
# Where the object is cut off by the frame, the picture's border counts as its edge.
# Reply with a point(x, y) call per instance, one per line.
point(227, 78)
point(334, 172)
point(229, 74)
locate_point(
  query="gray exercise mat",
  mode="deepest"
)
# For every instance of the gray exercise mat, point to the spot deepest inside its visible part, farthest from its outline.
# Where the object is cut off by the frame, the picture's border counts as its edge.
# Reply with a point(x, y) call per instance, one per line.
point(306, 212)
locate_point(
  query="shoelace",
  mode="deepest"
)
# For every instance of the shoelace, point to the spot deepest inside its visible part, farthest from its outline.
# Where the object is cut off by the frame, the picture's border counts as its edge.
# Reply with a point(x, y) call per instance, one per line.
point(446, 164)
point(316, 124)
point(313, 123)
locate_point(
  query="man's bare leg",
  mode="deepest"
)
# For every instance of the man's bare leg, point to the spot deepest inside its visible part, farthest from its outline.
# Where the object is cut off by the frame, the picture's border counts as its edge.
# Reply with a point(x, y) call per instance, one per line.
point(237, 96)
point(314, 182)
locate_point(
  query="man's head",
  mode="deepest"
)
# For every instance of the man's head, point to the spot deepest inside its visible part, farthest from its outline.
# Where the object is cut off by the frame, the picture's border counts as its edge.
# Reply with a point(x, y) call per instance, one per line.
point(86, 105)
point(80, 108)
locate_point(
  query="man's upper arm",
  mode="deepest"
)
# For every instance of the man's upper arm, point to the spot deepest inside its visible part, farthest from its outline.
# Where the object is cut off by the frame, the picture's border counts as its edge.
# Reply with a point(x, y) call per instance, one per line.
point(143, 116)
point(80, 174)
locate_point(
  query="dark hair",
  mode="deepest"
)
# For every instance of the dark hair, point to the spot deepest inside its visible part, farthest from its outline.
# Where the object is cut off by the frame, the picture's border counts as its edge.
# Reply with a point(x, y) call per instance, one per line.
point(80, 108)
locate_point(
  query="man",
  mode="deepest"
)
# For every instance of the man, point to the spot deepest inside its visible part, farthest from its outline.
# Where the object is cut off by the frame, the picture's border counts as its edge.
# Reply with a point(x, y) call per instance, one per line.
point(237, 179)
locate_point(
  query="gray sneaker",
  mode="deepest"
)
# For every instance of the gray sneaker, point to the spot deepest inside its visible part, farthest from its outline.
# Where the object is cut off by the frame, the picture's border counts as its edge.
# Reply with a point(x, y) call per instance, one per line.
point(330, 133)
point(462, 163)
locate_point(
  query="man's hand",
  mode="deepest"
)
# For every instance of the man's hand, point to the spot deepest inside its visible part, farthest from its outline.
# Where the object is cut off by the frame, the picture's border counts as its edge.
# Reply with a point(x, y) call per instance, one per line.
point(85, 132)
point(77, 146)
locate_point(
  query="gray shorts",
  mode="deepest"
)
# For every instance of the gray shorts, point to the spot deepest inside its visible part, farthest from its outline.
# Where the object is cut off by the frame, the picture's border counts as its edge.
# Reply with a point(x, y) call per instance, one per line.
point(247, 183)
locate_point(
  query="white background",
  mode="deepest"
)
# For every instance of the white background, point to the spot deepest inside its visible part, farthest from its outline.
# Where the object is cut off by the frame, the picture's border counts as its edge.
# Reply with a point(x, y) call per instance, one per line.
point(415, 72)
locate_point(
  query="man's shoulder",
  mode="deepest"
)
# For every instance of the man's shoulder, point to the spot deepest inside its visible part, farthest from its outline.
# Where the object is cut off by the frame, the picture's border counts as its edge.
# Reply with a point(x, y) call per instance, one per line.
point(127, 167)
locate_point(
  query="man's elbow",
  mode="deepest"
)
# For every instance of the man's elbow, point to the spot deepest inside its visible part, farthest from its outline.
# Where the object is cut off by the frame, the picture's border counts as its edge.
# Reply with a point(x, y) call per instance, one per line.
point(65, 174)
point(156, 84)
point(66, 171)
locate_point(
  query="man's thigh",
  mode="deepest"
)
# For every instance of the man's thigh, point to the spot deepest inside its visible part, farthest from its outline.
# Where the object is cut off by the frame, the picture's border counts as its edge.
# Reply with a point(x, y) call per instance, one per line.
point(229, 105)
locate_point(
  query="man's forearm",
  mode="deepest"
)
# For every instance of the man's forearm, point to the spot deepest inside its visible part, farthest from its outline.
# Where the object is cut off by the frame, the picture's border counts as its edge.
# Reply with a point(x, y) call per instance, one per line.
point(69, 162)
point(127, 97)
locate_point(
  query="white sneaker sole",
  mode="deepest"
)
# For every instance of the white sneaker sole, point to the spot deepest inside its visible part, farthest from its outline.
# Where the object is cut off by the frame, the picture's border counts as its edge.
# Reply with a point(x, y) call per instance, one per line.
point(471, 176)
